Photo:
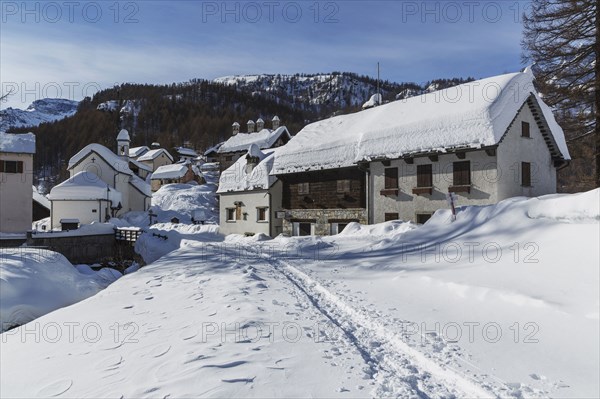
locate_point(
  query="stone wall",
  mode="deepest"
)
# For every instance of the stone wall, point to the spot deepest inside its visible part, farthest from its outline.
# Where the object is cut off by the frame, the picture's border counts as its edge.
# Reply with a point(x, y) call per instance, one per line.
point(323, 218)
point(85, 249)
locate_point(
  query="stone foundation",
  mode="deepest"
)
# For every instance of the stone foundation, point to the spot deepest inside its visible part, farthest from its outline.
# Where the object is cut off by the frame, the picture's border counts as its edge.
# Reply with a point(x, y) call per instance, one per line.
point(322, 218)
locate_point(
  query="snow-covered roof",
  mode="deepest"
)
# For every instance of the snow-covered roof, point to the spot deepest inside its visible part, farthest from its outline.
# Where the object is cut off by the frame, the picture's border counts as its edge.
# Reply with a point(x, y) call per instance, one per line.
point(275, 118)
point(84, 186)
point(137, 151)
point(40, 199)
point(471, 115)
point(214, 148)
point(264, 139)
point(174, 171)
point(152, 154)
point(188, 152)
point(17, 143)
point(140, 165)
point(140, 185)
point(235, 177)
point(235, 124)
point(123, 135)
point(119, 164)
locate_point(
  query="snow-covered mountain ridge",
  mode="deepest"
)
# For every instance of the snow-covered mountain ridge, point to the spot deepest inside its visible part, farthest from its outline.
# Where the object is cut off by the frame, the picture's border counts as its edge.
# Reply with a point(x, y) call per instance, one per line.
point(40, 111)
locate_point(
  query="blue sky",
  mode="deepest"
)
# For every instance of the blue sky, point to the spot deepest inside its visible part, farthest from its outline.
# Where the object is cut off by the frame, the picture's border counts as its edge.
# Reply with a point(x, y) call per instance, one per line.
point(71, 49)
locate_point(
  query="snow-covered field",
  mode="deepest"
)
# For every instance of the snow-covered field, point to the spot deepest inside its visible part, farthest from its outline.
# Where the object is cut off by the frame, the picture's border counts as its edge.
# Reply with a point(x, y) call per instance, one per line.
point(502, 302)
point(36, 281)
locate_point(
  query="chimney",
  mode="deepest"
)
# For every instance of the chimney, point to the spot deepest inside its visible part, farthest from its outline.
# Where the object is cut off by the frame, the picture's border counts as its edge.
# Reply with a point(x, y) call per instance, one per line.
point(260, 124)
point(252, 158)
point(236, 128)
point(276, 122)
point(155, 145)
point(250, 126)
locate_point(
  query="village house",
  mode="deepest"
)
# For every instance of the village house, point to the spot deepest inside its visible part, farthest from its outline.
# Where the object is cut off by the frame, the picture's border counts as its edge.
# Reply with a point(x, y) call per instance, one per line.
point(137, 152)
point(249, 197)
point(16, 179)
point(156, 158)
point(186, 154)
point(102, 185)
point(183, 172)
point(237, 145)
point(211, 155)
point(484, 141)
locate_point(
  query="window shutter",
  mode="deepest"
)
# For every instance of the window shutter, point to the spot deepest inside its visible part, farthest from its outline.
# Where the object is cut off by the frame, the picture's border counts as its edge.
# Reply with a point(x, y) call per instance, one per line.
point(391, 178)
point(1, 166)
point(424, 177)
point(19, 166)
point(462, 173)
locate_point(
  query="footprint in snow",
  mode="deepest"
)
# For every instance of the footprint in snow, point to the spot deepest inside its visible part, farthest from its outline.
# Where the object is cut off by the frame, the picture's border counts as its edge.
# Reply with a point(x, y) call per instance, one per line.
point(244, 380)
point(128, 307)
point(110, 363)
point(55, 389)
point(160, 350)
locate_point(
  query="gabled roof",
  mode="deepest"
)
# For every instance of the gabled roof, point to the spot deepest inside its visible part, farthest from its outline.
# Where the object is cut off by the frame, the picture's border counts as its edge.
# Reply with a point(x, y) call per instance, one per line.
point(140, 165)
point(140, 185)
point(153, 154)
point(138, 151)
point(116, 162)
point(472, 115)
point(17, 143)
point(188, 152)
point(173, 171)
point(214, 148)
point(84, 186)
point(235, 178)
point(263, 139)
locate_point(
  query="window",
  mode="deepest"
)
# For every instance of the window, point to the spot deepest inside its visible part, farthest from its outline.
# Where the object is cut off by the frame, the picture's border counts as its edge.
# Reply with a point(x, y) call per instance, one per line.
point(302, 228)
point(462, 173)
point(343, 186)
point(230, 214)
point(11, 166)
point(337, 228)
point(391, 178)
point(261, 214)
point(525, 132)
point(391, 216)
point(424, 176)
point(525, 174)
point(303, 188)
point(423, 217)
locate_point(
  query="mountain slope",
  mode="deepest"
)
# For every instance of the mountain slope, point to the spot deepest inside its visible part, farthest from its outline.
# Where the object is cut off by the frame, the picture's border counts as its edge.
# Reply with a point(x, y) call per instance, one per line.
point(40, 111)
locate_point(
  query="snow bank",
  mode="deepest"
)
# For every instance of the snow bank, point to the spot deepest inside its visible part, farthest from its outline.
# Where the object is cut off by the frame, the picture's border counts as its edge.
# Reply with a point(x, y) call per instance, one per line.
point(34, 282)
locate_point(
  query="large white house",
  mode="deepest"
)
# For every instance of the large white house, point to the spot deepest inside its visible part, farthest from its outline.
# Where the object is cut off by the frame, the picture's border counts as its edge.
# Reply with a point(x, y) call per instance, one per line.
point(101, 185)
point(249, 197)
point(484, 141)
point(16, 178)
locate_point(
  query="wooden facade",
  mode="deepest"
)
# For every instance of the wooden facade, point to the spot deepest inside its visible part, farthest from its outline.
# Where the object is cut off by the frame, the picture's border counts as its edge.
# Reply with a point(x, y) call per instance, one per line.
point(325, 189)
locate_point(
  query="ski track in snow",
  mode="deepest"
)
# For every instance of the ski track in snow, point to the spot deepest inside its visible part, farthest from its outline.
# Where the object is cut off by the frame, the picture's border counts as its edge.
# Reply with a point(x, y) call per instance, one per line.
point(397, 369)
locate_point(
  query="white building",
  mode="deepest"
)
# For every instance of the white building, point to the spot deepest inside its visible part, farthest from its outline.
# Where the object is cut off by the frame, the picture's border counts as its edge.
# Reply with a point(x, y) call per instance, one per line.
point(156, 158)
point(249, 197)
point(103, 168)
point(485, 141)
point(16, 179)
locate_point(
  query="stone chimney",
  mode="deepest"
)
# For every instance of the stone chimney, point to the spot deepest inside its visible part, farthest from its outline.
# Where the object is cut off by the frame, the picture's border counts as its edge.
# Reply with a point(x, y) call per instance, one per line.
point(276, 122)
point(251, 126)
point(236, 128)
point(260, 124)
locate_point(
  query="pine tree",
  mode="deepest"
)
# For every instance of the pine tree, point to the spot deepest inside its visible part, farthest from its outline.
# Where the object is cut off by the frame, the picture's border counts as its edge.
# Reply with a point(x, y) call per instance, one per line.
point(561, 38)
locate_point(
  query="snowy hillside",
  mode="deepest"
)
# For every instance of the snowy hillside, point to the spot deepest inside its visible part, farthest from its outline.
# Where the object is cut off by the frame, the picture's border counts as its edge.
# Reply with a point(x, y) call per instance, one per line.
point(336, 90)
point(40, 111)
point(503, 302)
